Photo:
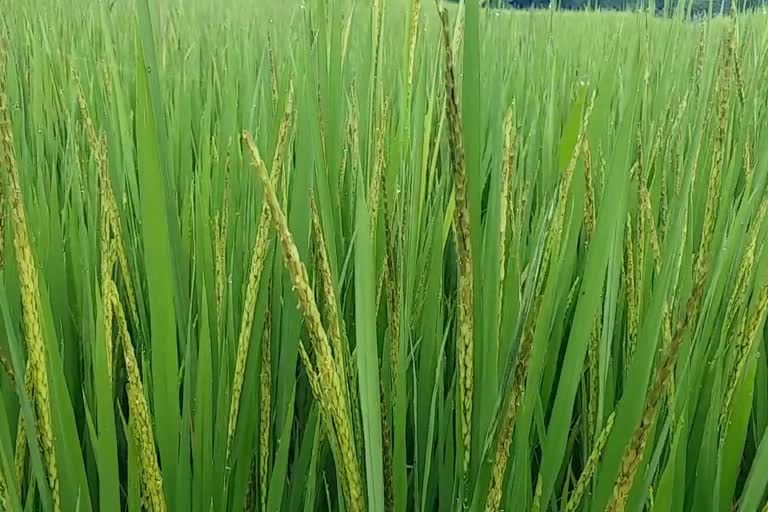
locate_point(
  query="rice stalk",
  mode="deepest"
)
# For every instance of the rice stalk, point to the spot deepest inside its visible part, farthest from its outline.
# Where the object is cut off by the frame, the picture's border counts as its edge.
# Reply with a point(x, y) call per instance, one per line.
point(634, 450)
point(593, 370)
point(386, 437)
point(749, 167)
point(343, 349)
point(630, 293)
point(265, 420)
point(327, 369)
point(748, 335)
point(713, 187)
point(642, 230)
point(325, 412)
point(594, 340)
point(734, 58)
point(30, 297)
point(20, 454)
point(140, 417)
point(563, 191)
point(465, 292)
point(589, 197)
point(744, 272)
point(508, 167)
point(249, 503)
point(109, 216)
point(512, 405)
point(255, 272)
point(413, 32)
point(322, 128)
point(331, 304)
point(590, 466)
point(272, 71)
point(377, 174)
point(650, 222)
point(220, 234)
point(393, 295)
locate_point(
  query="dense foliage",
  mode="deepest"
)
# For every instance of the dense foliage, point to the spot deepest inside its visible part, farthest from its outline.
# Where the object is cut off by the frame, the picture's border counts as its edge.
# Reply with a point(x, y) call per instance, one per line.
point(342, 255)
point(695, 8)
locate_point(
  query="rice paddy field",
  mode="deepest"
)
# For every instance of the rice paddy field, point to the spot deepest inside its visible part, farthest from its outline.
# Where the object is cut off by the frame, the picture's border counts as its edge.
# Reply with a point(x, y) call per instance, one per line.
point(377, 256)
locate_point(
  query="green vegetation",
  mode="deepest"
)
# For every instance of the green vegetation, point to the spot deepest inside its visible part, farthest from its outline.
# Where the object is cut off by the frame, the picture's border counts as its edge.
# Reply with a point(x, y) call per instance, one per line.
point(360, 256)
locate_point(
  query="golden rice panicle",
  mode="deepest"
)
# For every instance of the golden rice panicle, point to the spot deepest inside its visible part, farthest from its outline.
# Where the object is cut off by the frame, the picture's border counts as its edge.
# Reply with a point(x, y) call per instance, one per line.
point(508, 168)
point(743, 275)
point(220, 235)
point(326, 367)
point(699, 61)
point(722, 91)
point(255, 272)
point(666, 341)
point(633, 452)
point(590, 466)
point(20, 458)
point(749, 169)
point(90, 130)
point(564, 186)
point(98, 150)
point(340, 347)
point(353, 128)
point(630, 291)
point(640, 155)
point(386, 436)
point(377, 175)
point(589, 198)
point(107, 267)
point(593, 366)
point(640, 262)
point(246, 323)
point(465, 342)
point(353, 136)
point(594, 339)
point(380, 286)
point(650, 222)
point(30, 297)
point(343, 165)
point(393, 293)
point(509, 416)
point(563, 191)
point(109, 213)
point(249, 503)
point(413, 32)
point(323, 129)
point(272, 71)
point(140, 418)
point(265, 421)
point(326, 280)
point(734, 57)
point(314, 380)
point(325, 413)
point(745, 344)
point(283, 133)
point(219, 269)
point(536, 505)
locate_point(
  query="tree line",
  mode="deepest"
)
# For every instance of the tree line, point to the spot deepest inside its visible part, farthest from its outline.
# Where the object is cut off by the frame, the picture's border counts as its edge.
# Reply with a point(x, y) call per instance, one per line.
point(695, 7)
